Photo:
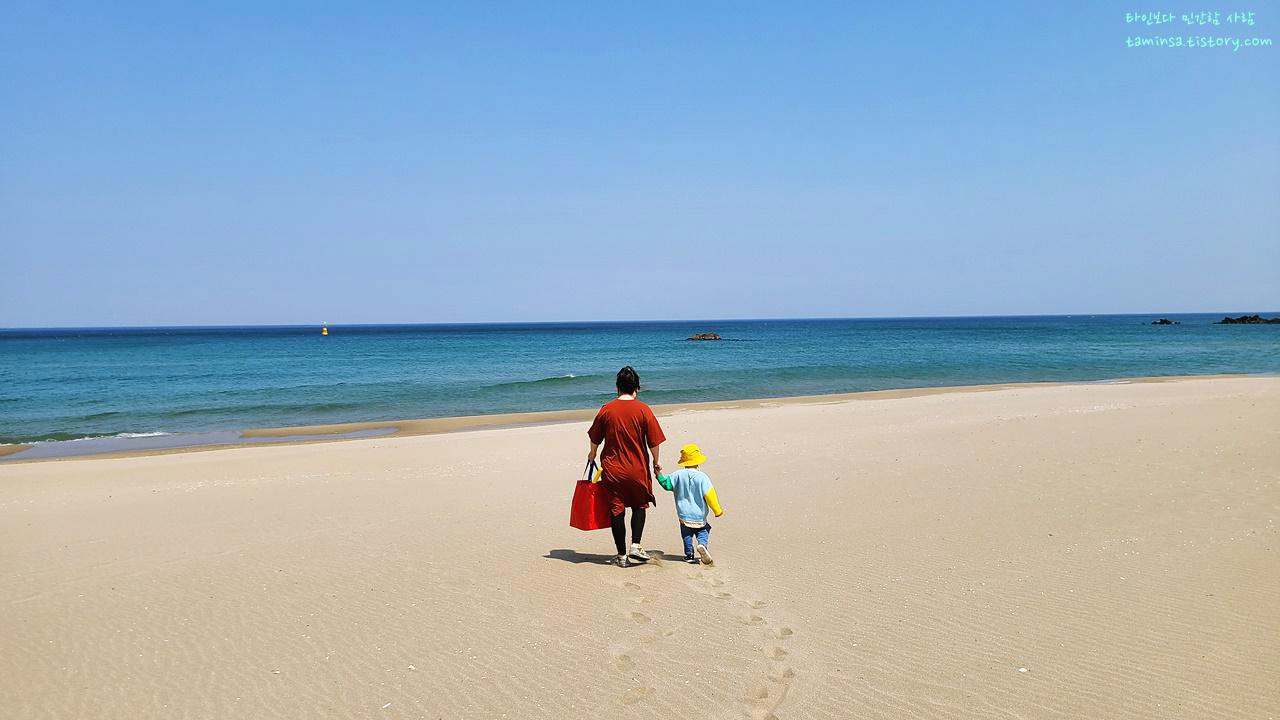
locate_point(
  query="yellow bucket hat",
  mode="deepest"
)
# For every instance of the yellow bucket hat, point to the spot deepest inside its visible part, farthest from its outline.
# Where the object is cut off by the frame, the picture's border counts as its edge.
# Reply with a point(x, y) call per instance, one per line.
point(691, 455)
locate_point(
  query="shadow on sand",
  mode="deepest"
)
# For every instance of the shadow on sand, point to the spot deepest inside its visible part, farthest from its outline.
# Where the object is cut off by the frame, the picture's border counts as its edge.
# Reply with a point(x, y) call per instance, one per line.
point(576, 557)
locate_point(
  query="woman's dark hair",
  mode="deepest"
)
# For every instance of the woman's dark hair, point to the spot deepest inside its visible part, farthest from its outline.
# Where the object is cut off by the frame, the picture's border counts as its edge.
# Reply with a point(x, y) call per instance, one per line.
point(628, 380)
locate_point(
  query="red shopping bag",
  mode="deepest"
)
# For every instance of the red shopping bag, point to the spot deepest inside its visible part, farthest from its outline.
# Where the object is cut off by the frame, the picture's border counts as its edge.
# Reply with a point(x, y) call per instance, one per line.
point(590, 509)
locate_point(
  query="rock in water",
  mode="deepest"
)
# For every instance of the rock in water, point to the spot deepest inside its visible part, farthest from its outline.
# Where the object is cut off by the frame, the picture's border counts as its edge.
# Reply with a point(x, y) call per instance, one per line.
point(1164, 321)
point(1248, 320)
point(705, 336)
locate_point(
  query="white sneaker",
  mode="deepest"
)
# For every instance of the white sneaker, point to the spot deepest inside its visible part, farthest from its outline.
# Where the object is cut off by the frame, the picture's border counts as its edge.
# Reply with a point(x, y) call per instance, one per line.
point(704, 554)
point(638, 552)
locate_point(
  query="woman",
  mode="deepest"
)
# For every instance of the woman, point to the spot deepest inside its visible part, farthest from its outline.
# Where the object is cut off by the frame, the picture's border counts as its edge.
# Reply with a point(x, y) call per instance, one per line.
point(627, 427)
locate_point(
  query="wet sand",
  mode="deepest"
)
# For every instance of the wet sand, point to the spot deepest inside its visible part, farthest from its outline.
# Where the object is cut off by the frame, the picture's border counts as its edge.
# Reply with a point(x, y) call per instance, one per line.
point(12, 449)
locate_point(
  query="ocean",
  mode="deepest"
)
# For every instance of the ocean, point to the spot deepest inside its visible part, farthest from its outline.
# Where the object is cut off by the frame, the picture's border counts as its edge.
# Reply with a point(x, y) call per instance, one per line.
point(60, 386)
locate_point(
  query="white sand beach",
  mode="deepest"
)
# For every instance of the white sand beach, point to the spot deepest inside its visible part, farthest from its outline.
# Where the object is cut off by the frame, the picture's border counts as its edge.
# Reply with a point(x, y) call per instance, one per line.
point(1056, 551)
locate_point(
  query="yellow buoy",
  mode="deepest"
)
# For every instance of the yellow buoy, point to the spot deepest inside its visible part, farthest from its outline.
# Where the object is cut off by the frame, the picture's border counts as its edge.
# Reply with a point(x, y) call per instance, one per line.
point(325, 329)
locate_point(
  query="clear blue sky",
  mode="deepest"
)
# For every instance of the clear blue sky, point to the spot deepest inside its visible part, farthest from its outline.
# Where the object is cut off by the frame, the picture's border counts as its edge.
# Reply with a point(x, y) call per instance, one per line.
point(225, 163)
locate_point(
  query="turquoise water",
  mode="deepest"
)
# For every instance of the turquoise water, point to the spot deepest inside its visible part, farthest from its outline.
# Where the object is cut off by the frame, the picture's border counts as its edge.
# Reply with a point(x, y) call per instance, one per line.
point(58, 385)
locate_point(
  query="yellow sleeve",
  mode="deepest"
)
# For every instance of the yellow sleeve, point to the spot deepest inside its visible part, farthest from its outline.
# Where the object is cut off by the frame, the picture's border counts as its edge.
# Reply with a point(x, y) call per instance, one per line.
point(713, 502)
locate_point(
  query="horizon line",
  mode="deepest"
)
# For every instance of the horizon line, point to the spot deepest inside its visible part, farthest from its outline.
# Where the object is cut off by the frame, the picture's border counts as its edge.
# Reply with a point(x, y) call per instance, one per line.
point(596, 322)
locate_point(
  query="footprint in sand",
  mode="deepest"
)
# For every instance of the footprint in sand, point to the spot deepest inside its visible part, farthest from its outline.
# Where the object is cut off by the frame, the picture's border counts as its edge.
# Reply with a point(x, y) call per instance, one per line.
point(761, 701)
point(635, 695)
point(761, 712)
point(624, 663)
point(630, 585)
point(660, 634)
point(640, 617)
point(762, 705)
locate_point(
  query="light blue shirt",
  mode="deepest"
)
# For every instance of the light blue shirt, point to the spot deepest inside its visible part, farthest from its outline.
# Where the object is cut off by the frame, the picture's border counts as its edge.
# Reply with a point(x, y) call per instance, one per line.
point(690, 486)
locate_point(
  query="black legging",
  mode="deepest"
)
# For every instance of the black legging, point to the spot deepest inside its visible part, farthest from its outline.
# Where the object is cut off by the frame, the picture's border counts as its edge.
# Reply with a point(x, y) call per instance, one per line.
point(619, 527)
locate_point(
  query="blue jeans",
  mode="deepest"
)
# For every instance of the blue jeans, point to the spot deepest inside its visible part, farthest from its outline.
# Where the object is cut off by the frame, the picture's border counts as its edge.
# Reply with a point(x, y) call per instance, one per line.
point(703, 534)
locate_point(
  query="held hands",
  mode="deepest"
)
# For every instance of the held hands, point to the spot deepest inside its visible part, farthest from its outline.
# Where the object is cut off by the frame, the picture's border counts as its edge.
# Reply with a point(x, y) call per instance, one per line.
point(657, 469)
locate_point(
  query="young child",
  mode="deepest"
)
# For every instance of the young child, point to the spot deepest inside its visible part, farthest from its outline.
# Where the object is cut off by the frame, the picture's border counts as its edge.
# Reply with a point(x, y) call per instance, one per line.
point(694, 495)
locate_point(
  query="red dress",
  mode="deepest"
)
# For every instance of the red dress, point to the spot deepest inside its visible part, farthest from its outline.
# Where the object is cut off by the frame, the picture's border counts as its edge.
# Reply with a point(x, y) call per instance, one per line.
point(628, 429)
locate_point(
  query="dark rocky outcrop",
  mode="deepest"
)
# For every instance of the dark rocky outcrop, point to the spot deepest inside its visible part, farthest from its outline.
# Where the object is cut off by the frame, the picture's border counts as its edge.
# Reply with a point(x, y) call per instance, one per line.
point(1164, 321)
point(1248, 320)
point(705, 336)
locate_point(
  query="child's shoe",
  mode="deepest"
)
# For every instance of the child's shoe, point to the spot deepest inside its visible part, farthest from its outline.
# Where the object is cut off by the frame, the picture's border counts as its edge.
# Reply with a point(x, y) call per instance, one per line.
point(638, 553)
point(692, 559)
point(621, 561)
point(704, 554)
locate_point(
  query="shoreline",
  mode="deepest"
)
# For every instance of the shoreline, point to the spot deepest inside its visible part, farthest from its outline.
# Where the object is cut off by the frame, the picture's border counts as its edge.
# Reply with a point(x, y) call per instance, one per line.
point(382, 429)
